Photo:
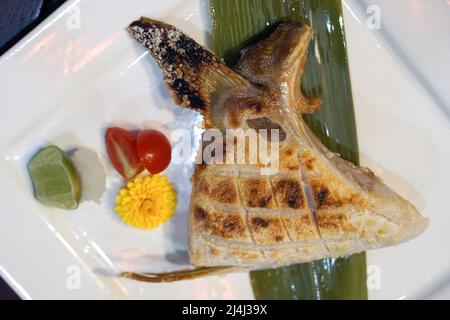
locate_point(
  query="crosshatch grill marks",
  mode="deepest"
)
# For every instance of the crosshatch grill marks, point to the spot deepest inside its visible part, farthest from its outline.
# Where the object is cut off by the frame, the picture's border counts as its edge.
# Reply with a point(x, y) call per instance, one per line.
point(309, 200)
point(267, 229)
point(288, 192)
point(309, 197)
point(316, 244)
point(221, 189)
point(256, 193)
point(227, 226)
point(246, 213)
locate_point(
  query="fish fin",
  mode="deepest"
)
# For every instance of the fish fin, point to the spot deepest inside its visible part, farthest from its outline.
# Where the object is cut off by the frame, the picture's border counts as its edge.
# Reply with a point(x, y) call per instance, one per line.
point(180, 275)
point(219, 85)
point(195, 77)
point(278, 62)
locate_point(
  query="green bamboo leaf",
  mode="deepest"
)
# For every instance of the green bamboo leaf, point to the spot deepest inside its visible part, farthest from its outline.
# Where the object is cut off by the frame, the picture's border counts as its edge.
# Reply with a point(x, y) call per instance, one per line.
point(238, 23)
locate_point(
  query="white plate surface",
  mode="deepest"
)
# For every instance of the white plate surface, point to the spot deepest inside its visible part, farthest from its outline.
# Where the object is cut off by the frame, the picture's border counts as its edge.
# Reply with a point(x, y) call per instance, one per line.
point(79, 71)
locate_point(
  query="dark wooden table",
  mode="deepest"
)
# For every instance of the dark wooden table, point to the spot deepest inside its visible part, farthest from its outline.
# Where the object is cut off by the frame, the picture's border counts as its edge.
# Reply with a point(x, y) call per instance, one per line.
point(17, 18)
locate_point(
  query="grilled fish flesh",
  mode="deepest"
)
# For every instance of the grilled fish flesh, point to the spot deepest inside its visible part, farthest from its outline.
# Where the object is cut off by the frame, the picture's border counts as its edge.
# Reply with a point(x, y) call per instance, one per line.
point(316, 205)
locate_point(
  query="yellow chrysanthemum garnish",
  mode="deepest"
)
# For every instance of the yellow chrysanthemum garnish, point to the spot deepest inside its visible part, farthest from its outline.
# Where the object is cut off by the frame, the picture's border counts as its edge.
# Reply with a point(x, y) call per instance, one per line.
point(147, 202)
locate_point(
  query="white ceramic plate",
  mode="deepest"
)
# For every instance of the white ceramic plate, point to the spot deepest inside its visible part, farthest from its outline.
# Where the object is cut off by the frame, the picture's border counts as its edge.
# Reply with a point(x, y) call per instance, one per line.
point(79, 71)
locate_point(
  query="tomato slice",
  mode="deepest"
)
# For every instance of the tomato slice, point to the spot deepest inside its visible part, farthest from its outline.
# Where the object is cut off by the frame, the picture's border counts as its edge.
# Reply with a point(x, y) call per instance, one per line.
point(122, 151)
point(154, 150)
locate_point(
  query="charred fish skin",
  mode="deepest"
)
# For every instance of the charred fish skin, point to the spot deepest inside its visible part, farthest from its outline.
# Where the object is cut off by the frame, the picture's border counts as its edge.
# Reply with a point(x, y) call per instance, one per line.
point(317, 205)
point(180, 57)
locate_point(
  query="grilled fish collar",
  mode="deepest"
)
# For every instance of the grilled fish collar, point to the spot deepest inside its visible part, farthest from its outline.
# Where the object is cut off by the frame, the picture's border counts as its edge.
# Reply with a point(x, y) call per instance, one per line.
point(317, 205)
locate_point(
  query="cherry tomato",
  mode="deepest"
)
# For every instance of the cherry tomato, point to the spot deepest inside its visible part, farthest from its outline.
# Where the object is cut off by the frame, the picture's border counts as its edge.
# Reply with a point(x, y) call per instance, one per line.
point(154, 150)
point(122, 151)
